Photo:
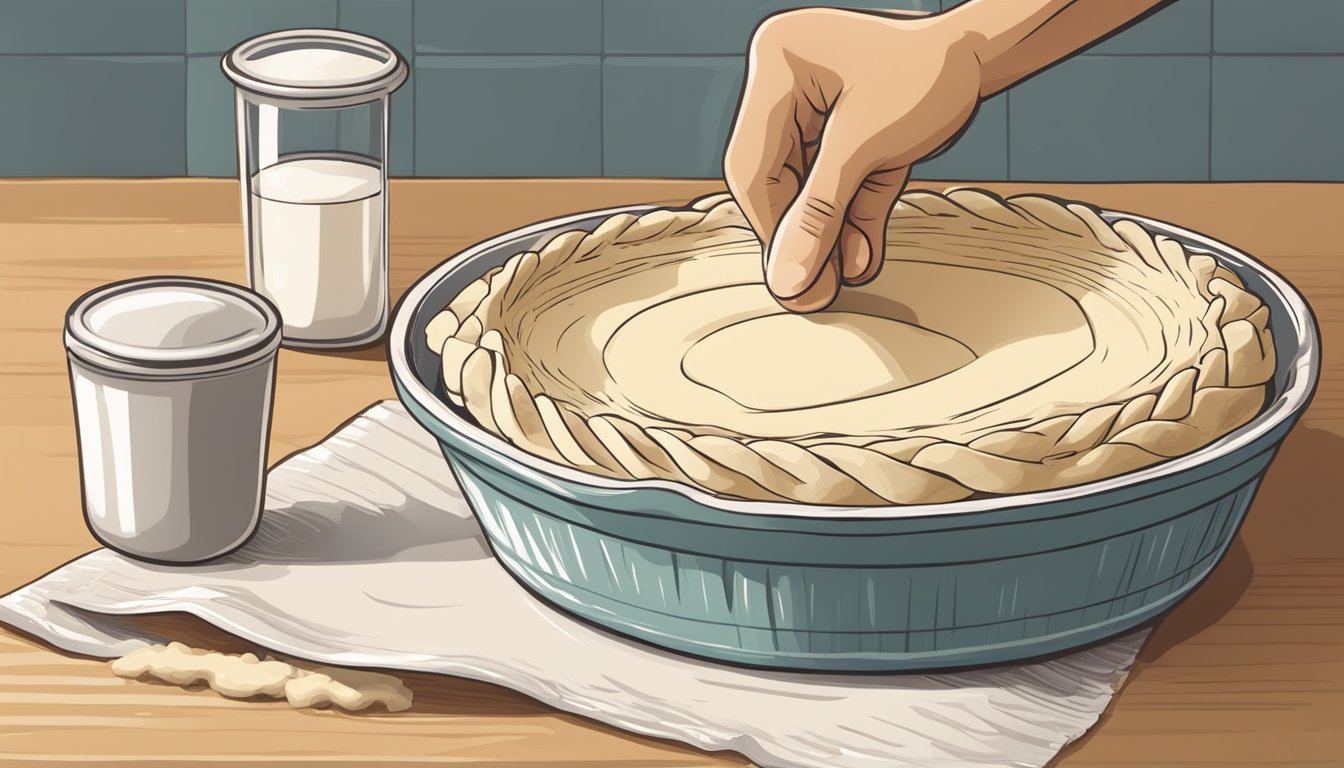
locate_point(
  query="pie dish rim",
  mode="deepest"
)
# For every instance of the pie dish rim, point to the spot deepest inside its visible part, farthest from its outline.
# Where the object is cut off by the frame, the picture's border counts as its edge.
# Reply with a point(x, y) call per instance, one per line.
point(1287, 400)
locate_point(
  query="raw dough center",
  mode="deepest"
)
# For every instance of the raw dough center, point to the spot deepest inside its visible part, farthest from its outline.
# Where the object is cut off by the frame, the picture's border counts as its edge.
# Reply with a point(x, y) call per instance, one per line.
point(787, 361)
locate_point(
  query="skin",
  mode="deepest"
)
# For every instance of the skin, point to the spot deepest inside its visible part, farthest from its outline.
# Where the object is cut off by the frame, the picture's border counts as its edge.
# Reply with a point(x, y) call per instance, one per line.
point(838, 105)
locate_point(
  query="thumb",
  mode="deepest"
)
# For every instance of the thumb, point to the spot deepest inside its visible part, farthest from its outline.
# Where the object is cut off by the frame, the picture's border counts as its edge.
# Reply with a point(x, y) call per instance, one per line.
point(809, 229)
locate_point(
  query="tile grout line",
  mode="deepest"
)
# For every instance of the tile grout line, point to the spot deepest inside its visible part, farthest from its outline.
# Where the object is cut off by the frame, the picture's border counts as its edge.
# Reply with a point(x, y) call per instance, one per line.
point(1210, 119)
point(1213, 48)
point(602, 89)
point(186, 94)
point(186, 55)
point(337, 113)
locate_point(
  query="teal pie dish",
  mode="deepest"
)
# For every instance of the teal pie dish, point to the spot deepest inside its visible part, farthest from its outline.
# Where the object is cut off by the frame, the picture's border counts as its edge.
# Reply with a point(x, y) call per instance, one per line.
point(856, 589)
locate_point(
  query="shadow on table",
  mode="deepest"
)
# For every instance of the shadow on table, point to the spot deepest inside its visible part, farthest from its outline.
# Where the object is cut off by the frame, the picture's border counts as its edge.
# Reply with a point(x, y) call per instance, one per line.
point(1296, 503)
point(376, 350)
point(1209, 603)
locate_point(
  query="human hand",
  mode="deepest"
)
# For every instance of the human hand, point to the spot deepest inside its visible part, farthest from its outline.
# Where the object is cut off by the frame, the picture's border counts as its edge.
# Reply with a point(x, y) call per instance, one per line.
point(836, 107)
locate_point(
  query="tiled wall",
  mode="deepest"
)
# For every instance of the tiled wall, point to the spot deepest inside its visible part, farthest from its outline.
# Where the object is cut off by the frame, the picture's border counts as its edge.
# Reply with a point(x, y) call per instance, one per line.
point(1206, 89)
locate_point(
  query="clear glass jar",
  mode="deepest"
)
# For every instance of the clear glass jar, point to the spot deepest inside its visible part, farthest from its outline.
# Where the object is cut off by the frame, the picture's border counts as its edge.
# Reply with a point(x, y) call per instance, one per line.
point(312, 111)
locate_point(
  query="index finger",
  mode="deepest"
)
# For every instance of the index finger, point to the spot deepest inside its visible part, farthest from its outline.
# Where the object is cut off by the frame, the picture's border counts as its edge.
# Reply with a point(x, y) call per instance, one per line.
point(755, 162)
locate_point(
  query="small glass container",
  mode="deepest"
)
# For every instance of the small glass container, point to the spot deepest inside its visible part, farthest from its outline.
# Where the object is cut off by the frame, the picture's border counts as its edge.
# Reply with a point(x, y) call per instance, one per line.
point(172, 381)
point(312, 111)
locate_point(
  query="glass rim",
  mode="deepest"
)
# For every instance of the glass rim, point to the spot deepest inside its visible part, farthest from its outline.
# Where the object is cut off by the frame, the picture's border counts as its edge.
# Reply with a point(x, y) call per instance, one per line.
point(238, 66)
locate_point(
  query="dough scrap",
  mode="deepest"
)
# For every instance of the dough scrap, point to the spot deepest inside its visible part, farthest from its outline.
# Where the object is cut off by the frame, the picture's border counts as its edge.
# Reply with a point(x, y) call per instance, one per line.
point(1007, 346)
point(246, 676)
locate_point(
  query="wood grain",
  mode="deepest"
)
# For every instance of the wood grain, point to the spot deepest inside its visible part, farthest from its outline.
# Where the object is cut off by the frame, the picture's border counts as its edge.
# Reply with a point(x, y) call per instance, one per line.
point(1248, 671)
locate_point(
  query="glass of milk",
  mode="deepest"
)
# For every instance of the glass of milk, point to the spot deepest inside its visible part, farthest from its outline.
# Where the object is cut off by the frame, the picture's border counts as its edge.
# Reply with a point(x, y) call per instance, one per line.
point(312, 110)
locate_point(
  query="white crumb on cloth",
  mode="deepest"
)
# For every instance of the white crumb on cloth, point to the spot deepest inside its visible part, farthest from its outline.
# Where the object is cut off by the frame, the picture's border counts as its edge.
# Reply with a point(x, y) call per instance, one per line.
point(245, 676)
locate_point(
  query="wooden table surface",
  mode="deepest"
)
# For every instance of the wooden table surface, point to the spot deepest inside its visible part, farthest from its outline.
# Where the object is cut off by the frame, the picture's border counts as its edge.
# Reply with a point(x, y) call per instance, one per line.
point(1248, 671)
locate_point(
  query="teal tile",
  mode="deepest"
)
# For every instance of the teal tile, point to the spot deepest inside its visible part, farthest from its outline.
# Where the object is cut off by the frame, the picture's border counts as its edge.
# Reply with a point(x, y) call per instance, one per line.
point(211, 150)
point(211, 123)
point(1233, 26)
point(981, 154)
point(1284, 26)
point(705, 26)
point(92, 116)
point(1183, 27)
point(211, 126)
point(668, 116)
point(1278, 118)
point(390, 21)
point(401, 131)
point(354, 128)
point(214, 26)
point(91, 26)
point(1112, 118)
point(508, 26)
point(210, 118)
point(508, 116)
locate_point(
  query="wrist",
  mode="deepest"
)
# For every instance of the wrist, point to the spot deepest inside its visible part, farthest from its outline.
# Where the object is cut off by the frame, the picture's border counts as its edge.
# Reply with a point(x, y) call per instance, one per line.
point(963, 37)
point(1015, 40)
point(995, 33)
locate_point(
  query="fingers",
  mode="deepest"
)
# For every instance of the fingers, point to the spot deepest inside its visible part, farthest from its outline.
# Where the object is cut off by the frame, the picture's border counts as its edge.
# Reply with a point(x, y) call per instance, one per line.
point(809, 230)
point(756, 162)
point(863, 239)
point(821, 293)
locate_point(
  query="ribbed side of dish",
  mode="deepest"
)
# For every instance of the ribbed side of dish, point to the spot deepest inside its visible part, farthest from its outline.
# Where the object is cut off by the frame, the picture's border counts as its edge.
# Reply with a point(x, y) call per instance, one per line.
point(959, 584)
point(813, 603)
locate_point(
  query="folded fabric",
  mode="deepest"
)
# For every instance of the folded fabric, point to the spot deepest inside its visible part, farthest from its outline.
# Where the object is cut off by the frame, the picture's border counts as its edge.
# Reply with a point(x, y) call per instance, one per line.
point(368, 555)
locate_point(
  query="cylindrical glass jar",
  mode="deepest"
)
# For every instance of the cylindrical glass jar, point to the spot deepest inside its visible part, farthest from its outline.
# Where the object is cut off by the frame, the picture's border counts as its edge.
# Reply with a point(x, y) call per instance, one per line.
point(312, 111)
point(172, 381)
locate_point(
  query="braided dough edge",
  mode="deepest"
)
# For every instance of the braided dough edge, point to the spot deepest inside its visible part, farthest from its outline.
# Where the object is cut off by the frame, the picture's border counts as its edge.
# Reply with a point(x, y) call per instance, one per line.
point(1194, 407)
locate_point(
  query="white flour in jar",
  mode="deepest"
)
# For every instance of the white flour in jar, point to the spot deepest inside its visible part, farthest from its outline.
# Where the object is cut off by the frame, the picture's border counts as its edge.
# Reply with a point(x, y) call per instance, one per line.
point(317, 239)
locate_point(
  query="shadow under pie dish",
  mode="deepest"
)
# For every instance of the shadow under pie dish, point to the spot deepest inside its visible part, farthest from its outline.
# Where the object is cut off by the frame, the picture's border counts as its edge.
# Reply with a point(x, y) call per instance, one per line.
point(1040, 426)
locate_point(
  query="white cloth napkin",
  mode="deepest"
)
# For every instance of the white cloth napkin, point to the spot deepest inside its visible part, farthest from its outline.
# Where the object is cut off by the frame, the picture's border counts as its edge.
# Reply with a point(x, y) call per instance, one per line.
point(368, 556)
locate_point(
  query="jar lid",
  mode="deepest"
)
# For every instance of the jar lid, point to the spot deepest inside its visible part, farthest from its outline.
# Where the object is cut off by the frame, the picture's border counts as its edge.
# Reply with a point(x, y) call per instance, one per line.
point(327, 66)
point(171, 326)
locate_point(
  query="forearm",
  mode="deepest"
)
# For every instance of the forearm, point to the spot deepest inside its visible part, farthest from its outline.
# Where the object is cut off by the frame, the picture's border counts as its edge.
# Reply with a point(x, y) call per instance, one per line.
point(1015, 39)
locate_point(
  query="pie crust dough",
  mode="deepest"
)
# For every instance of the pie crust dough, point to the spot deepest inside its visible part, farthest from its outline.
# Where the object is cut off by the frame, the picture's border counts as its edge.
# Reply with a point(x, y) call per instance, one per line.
point(1007, 346)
